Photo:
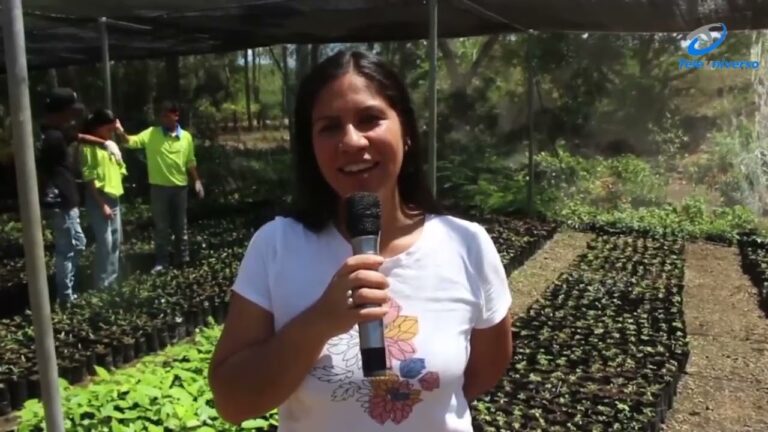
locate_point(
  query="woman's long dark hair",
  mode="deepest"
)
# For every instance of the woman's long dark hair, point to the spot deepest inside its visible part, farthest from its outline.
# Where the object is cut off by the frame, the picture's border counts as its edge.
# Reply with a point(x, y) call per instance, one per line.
point(315, 202)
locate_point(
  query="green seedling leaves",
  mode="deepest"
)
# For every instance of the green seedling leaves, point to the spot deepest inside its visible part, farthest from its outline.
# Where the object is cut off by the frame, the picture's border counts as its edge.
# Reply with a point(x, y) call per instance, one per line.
point(168, 391)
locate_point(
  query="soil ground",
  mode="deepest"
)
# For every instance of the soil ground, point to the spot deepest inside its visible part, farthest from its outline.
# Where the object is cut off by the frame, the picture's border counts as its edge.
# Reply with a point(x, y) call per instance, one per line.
point(725, 388)
point(254, 139)
point(532, 279)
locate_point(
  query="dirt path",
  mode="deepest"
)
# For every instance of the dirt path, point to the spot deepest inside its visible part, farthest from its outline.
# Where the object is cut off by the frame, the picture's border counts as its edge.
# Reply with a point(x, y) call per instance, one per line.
point(529, 281)
point(726, 386)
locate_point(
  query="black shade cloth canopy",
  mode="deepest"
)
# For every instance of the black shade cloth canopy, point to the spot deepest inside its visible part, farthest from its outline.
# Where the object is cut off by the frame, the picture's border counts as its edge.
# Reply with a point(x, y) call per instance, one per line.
point(65, 32)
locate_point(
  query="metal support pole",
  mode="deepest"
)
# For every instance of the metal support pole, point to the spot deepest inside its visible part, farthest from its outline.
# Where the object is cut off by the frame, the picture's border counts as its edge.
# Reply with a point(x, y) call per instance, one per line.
point(531, 107)
point(26, 180)
point(432, 103)
point(105, 62)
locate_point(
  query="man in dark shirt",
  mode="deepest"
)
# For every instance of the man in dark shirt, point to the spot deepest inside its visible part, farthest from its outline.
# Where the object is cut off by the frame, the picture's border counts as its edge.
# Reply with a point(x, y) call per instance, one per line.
point(57, 169)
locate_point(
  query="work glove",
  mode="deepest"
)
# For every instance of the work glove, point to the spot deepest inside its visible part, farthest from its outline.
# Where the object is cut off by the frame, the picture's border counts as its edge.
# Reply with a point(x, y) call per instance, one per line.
point(199, 189)
point(112, 148)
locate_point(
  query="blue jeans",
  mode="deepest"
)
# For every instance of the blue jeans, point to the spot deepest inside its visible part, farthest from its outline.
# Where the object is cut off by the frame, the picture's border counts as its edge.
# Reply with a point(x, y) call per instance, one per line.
point(108, 236)
point(69, 243)
point(169, 211)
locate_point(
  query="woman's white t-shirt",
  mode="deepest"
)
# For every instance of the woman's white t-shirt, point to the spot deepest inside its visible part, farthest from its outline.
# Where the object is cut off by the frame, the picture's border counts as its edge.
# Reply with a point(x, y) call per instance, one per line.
point(449, 282)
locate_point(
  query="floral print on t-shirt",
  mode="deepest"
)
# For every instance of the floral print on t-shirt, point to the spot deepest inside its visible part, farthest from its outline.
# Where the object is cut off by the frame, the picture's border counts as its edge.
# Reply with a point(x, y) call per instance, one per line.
point(391, 398)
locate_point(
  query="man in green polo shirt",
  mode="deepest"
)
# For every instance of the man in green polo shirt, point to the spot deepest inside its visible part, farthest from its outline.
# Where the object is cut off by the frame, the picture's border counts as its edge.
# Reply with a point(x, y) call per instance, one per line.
point(170, 152)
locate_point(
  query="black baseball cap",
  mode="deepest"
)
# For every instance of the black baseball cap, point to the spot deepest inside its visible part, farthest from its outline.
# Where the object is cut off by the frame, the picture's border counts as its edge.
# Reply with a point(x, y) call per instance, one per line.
point(98, 118)
point(61, 99)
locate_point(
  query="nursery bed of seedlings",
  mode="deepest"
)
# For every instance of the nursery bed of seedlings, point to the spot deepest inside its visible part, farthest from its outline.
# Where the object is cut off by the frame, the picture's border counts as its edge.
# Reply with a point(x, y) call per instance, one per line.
point(151, 311)
point(113, 327)
point(110, 329)
point(754, 263)
point(136, 251)
point(163, 392)
point(603, 349)
point(517, 239)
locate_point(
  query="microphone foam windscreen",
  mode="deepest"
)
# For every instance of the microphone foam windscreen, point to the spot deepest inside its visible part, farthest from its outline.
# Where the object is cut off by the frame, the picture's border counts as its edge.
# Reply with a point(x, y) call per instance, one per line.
point(363, 214)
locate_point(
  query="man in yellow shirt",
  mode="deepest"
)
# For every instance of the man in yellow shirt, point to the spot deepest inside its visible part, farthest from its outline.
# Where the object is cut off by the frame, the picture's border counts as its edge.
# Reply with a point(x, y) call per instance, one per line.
point(103, 174)
point(170, 153)
point(60, 197)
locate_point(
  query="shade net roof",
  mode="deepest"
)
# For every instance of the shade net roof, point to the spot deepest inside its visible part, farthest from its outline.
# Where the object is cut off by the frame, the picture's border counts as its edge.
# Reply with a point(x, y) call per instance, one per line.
point(60, 32)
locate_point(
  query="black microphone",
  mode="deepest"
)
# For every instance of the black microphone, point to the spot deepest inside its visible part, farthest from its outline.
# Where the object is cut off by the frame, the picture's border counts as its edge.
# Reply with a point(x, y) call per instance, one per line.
point(363, 225)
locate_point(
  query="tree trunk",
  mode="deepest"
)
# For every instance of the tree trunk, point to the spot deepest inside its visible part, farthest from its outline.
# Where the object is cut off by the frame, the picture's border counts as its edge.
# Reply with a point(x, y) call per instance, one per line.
point(72, 80)
point(256, 54)
point(302, 62)
point(644, 51)
point(388, 48)
point(248, 90)
point(302, 68)
point(401, 57)
point(172, 89)
point(256, 79)
point(314, 54)
point(461, 79)
point(287, 104)
point(455, 75)
point(117, 88)
point(151, 96)
point(52, 78)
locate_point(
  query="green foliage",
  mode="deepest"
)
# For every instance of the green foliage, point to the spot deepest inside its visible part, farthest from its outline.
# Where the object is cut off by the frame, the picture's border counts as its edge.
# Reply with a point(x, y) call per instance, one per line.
point(625, 192)
point(206, 119)
point(480, 183)
point(161, 392)
point(489, 183)
point(754, 255)
point(734, 164)
point(669, 139)
point(691, 219)
point(602, 183)
point(246, 174)
point(603, 101)
point(615, 117)
point(11, 231)
point(270, 92)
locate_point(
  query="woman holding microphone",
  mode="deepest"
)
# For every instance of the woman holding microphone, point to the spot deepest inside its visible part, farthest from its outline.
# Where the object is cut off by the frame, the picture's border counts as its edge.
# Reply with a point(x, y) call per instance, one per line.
point(438, 284)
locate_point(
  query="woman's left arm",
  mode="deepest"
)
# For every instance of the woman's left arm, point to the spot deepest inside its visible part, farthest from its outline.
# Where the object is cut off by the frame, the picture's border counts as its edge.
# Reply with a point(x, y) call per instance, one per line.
point(489, 358)
point(490, 343)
